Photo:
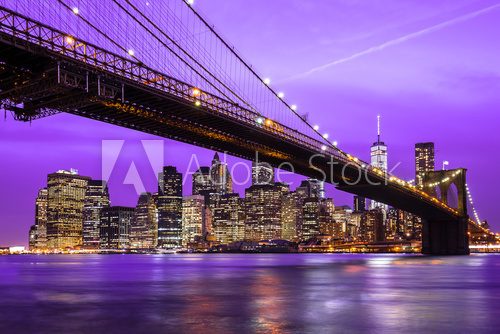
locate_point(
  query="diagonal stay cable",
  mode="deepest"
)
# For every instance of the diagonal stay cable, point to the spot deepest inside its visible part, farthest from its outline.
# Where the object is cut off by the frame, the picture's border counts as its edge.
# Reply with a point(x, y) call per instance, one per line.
point(123, 48)
point(179, 47)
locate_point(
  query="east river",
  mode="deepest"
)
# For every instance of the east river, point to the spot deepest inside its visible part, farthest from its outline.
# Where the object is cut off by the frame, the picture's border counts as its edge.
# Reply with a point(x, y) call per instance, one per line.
point(249, 293)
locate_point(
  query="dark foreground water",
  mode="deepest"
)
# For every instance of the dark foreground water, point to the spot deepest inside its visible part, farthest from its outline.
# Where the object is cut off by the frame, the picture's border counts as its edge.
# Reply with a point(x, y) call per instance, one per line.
point(264, 293)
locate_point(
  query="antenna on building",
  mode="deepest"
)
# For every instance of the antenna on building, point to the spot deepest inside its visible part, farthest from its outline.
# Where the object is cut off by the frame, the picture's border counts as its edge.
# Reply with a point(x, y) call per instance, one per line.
point(378, 128)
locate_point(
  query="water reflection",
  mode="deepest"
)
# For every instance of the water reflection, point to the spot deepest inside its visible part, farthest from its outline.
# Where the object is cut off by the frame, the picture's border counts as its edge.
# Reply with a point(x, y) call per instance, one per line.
point(267, 293)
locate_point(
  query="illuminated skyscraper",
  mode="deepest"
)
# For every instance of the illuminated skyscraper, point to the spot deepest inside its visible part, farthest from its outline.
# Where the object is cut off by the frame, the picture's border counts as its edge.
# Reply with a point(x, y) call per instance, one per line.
point(220, 176)
point(342, 217)
point(372, 226)
point(262, 173)
point(317, 217)
point(359, 203)
point(193, 218)
point(313, 188)
point(378, 155)
point(170, 208)
point(96, 198)
point(228, 218)
point(144, 226)
point(263, 211)
point(38, 232)
point(424, 160)
point(292, 215)
point(202, 183)
point(114, 229)
point(66, 194)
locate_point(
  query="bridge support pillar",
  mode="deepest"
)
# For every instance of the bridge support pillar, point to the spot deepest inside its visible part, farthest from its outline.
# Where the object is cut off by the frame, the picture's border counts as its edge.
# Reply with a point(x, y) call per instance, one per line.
point(445, 237)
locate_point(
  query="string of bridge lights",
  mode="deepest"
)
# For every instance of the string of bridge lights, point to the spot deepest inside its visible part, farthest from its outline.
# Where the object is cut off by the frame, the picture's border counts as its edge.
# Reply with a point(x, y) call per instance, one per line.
point(444, 180)
point(267, 81)
point(469, 196)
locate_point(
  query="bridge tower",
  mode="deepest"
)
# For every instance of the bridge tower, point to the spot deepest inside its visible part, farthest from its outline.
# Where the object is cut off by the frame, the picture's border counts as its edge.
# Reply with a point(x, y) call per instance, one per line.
point(445, 236)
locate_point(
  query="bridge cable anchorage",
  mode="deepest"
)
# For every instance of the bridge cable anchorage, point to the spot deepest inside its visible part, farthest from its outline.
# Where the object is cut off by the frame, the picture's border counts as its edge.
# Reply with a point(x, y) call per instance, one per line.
point(469, 197)
point(132, 54)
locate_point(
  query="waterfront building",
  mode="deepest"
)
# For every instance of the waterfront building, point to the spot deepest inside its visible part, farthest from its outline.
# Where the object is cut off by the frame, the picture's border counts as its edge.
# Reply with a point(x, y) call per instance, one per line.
point(342, 218)
point(372, 226)
point(402, 225)
point(32, 238)
point(262, 173)
point(328, 225)
point(65, 200)
point(359, 204)
point(228, 218)
point(292, 215)
point(114, 227)
point(144, 226)
point(170, 208)
point(193, 219)
point(263, 211)
point(38, 232)
point(317, 218)
point(96, 198)
point(353, 226)
point(424, 160)
point(378, 159)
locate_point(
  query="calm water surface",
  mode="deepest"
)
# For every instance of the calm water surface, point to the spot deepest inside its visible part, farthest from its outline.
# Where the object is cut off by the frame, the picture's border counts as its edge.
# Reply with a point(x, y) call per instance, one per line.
point(263, 293)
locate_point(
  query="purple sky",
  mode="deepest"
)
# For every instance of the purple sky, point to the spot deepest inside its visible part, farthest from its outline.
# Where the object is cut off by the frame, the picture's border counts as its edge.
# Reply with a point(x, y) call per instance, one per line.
point(430, 68)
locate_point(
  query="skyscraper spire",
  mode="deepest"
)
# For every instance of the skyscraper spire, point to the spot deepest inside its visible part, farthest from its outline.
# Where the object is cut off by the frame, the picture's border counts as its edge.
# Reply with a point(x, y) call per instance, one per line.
point(378, 128)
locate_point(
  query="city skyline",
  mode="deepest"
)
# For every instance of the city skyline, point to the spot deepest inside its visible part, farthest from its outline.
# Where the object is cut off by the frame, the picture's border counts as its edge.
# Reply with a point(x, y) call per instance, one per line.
point(85, 136)
point(265, 166)
point(75, 212)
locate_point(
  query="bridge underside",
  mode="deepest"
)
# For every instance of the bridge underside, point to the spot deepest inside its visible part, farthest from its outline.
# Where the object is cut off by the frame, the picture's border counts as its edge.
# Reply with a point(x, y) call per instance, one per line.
point(36, 83)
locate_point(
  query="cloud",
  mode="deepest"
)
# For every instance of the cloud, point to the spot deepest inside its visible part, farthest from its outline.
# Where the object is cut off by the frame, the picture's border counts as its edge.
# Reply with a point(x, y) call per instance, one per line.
point(397, 41)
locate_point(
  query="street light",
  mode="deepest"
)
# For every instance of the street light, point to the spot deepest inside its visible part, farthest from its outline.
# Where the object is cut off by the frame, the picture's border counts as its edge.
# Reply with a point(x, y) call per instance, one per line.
point(445, 163)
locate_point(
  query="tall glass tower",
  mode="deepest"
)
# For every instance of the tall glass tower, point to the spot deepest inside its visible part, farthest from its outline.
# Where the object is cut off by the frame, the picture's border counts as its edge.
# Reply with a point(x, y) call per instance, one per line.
point(378, 155)
point(424, 160)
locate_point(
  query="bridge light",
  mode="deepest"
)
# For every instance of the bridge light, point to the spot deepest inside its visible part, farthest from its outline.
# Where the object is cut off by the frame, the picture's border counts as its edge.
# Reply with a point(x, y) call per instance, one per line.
point(323, 148)
point(197, 103)
point(131, 52)
point(70, 40)
point(293, 107)
point(335, 143)
point(325, 136)
point(267, 81)
point(75, 10)
point(316, 127)
point(196, 92)
point(269, 122)
point(281, 95)
point(260, 120)
point(190, 2)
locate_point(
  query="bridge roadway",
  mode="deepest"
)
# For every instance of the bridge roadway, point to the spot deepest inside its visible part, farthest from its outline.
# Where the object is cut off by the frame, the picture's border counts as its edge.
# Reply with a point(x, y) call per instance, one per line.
point(44, 71)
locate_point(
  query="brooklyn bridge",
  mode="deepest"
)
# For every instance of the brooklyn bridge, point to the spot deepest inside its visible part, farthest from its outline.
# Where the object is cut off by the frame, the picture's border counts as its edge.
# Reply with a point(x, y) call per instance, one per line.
point(167, 72)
